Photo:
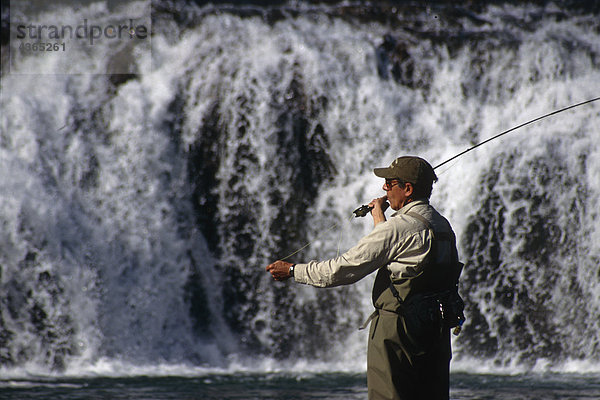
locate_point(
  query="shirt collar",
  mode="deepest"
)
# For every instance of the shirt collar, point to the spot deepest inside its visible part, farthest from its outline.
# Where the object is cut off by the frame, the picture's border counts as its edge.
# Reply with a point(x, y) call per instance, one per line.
point(409, 206)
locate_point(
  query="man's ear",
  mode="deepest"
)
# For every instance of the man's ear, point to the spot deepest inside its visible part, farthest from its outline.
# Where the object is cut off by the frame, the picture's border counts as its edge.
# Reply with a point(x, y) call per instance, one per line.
point(409, 189)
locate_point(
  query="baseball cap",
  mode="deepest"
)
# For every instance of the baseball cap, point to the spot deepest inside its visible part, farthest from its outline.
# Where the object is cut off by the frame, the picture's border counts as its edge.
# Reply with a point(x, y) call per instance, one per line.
point(408, 169)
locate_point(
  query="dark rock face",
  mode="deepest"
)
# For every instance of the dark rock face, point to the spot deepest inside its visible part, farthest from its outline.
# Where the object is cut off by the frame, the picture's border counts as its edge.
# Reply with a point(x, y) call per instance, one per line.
point(299, 166)
point(519, 248)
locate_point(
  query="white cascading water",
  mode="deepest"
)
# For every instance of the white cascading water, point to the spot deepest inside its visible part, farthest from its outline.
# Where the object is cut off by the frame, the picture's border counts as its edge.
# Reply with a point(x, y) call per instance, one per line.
point(137, 218)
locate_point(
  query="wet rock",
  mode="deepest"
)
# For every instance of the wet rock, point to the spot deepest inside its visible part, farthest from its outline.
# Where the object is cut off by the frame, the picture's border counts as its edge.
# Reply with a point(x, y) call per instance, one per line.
point(395, 61)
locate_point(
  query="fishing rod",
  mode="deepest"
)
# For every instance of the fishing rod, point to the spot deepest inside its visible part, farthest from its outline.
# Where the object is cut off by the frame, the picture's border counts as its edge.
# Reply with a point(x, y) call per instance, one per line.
point(515, 128)
point(365, 209)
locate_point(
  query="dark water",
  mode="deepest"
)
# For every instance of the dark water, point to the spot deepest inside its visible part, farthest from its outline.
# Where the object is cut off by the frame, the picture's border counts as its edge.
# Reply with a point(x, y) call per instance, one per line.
point(286, 387)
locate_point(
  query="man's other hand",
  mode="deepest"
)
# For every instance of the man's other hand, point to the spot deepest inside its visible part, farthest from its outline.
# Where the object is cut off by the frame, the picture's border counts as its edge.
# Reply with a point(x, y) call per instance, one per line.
point(280, 270)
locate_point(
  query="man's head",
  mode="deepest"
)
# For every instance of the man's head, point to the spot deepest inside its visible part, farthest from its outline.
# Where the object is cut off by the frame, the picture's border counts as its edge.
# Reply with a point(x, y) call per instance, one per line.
point(411, 170)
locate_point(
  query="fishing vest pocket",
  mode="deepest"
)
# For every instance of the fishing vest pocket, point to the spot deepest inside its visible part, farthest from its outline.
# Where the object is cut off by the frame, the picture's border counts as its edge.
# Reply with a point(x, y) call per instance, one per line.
point(424, 317)
point(451, 307)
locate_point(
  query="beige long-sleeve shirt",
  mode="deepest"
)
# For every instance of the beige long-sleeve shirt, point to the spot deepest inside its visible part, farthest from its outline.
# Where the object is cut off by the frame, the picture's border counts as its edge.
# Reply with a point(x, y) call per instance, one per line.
point(401, 243)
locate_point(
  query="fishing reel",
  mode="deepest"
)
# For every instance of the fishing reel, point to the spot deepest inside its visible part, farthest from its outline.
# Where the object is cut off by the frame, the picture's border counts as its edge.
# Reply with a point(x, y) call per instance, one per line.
point(362, 211)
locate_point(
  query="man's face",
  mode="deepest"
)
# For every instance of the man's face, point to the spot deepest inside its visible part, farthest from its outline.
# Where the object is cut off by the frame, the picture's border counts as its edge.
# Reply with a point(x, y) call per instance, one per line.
point(398, 193)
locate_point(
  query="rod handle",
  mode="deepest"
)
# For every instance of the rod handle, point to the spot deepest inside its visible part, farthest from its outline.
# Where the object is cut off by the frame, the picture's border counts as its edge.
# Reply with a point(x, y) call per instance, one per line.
point(362, 210)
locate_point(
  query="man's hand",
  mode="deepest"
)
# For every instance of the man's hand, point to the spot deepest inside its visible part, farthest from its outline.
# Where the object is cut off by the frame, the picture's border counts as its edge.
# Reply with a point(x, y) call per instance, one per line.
point(280, 270)
point(379, 206)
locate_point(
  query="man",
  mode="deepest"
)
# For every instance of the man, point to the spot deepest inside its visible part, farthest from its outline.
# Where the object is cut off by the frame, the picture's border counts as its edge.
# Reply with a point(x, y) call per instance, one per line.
point(416, 258)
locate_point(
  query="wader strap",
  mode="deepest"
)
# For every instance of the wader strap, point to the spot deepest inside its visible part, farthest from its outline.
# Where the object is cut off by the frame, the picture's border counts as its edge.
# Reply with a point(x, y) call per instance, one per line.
point(375, 314)
point(443, 236)
point(368, 321)
point(395, 293)
point(420, 218)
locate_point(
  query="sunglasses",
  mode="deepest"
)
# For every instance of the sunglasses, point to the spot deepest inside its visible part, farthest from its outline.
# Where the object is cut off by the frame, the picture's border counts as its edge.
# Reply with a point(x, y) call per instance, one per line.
point(390, 183)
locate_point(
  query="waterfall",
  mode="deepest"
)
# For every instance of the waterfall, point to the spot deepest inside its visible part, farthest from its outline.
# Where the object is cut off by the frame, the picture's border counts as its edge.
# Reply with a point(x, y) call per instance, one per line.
point(139, 211)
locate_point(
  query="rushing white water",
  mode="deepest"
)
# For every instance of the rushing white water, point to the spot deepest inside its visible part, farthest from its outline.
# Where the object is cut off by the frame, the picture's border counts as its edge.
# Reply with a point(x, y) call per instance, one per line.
point(137, 216)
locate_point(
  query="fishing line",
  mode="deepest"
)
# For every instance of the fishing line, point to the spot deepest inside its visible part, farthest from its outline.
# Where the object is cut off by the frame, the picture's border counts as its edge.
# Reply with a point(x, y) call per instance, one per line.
point(364, 209)
point(317, 238)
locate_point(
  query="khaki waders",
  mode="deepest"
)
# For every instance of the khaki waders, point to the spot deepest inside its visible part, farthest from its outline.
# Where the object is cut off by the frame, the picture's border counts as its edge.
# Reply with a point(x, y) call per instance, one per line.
point(409, 352)
point(405, 364)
